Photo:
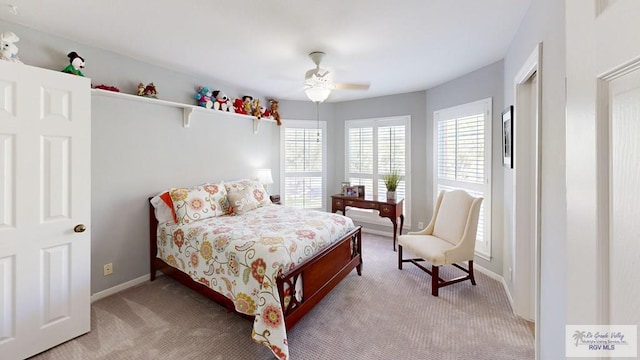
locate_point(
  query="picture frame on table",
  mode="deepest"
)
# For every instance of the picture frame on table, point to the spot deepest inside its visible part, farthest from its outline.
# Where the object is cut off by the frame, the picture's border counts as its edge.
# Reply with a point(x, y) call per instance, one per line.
point(360, 190)
point(344, 186)
point(351, 191)
point(507, 137)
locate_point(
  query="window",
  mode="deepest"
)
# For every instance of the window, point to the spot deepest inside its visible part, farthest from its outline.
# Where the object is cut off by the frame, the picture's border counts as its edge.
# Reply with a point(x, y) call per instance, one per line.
point(375, 147)
point(462, 159)
point(303, 147)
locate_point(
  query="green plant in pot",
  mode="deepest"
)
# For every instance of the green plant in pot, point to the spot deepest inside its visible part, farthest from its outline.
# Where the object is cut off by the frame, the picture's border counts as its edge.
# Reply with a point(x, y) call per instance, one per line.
point(391, 181)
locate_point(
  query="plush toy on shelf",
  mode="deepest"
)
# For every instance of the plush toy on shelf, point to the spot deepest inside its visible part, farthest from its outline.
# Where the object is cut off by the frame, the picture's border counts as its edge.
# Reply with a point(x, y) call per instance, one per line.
point(247, 103)
point(140, 89)
point(9, 50)
point(238, 107)
point(76, 62)
point(274, 111)
point(266, 113)
point(203, 96)
point(256, 108)
point(222, 102)
point(148, 91)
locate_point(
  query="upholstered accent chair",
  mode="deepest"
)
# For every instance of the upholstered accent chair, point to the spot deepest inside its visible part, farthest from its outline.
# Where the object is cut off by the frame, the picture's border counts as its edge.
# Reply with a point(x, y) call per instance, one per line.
point(449, 238)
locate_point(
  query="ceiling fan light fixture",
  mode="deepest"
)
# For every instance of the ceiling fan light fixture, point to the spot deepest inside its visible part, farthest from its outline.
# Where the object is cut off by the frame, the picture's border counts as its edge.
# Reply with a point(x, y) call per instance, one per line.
point(317, 93)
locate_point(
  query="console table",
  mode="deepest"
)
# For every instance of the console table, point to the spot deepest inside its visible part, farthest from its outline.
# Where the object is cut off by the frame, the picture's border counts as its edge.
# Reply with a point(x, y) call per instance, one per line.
point(391, 209)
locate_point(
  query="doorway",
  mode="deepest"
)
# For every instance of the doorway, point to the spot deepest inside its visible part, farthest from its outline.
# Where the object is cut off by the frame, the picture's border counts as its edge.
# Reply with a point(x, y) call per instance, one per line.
point(527, 191)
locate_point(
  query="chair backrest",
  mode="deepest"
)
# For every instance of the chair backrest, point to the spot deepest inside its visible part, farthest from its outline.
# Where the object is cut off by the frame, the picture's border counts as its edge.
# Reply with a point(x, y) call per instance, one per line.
point(452, 215)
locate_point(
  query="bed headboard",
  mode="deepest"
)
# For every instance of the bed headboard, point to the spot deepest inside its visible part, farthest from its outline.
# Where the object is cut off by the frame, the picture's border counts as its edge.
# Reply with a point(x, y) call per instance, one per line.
point(153, 245)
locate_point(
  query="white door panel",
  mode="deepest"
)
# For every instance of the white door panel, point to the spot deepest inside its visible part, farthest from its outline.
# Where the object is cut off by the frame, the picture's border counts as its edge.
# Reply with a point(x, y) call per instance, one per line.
point(602, 132)
point(624, 251)
point(45, 192)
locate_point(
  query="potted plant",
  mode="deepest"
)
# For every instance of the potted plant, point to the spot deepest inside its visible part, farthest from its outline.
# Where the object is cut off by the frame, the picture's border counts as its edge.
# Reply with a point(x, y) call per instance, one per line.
point(391, 181)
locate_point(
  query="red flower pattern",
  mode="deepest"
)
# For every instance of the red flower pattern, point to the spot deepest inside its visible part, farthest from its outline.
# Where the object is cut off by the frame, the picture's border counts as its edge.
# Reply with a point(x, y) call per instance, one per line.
point(272, 316)
point(178, 237)
point(258, 269)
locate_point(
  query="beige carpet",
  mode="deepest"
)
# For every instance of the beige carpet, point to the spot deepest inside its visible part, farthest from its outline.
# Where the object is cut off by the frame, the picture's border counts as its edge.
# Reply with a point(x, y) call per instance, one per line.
point(384, 314)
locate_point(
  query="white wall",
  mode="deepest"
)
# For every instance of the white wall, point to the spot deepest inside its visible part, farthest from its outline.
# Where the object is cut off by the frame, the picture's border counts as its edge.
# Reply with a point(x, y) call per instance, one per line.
point(545, 23)
point(140, 149)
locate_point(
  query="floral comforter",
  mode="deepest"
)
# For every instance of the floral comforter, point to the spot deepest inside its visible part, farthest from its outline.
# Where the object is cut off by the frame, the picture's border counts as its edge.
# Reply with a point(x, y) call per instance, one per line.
point(241, 256)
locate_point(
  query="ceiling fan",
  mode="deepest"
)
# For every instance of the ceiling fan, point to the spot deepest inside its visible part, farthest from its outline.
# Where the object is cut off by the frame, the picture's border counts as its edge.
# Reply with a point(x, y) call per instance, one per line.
point(319, 83)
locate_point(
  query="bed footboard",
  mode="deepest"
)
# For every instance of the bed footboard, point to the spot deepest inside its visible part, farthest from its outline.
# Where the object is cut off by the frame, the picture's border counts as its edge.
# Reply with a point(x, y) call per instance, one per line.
point(319, 275)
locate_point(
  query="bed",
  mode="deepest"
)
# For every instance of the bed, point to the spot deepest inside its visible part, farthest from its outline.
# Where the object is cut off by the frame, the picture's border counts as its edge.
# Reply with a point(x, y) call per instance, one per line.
point(272, 264)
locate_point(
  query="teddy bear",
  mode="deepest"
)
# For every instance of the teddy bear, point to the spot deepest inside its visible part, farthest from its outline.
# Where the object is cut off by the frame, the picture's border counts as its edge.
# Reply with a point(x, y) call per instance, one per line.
point(256, 109)
point(274, 111)
point(203, 96)
point(76, 62)
point(221, 101)
point(9, 50)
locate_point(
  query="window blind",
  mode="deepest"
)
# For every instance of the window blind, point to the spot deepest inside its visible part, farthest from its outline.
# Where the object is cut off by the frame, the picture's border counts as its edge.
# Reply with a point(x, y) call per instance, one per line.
point(463, 157)
point(303, 165)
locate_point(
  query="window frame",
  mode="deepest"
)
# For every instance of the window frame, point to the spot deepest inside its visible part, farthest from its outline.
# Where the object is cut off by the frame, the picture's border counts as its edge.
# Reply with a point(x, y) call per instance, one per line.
point(482, 249)
point(371, 216)
point(304, 124)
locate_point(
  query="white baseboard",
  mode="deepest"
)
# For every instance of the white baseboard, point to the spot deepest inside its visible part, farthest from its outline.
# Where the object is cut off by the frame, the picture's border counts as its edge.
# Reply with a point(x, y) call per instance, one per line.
point(497, 277)
point(377, 232)
point(116, 289)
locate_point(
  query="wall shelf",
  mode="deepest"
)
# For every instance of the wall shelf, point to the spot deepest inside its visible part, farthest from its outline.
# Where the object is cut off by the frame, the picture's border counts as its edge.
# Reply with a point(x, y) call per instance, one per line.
point(187, 110)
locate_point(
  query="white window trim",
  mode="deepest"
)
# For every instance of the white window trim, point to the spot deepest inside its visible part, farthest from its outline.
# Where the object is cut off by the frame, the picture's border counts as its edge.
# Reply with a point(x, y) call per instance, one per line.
point(485, 106)
point(368, 216)
point(305, 124)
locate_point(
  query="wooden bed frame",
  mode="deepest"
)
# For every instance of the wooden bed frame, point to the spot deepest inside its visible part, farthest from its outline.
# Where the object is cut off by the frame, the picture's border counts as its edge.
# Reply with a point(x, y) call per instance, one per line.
point(319, 274)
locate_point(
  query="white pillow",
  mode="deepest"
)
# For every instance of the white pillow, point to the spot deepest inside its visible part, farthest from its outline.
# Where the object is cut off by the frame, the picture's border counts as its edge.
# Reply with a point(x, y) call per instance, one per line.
point(162, 211)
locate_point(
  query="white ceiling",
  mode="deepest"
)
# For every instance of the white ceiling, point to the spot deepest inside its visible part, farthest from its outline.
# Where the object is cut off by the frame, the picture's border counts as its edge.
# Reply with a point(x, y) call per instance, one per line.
point(397, 46)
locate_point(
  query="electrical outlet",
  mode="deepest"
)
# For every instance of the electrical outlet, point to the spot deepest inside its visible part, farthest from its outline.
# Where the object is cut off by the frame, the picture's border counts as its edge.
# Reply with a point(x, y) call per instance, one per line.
point(421, 225)
point(108, 269)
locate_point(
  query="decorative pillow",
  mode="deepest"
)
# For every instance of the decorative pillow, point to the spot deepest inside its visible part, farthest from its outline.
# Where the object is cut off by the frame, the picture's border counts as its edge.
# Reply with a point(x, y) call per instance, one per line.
point(242, 201)
point(199, 202)
point(163, 207)
point(258, 191)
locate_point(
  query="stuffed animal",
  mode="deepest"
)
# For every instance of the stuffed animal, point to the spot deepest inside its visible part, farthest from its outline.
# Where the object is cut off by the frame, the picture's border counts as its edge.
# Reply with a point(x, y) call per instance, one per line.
point(203, 95)
point(9, 51)
point(238, 107)
point(266, 113)
point(76, 62)
point(140, 89)
point(274, 111)
point(222, 101)
point(247, 103)
point(147, 91)
point(256, 109)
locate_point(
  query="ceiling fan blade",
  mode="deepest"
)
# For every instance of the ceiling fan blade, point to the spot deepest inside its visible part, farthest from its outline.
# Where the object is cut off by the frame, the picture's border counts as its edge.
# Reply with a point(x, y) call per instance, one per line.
point(347, 86)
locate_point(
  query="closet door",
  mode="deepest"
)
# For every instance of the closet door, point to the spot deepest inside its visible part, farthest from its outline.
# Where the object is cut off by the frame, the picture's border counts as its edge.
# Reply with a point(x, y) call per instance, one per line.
point(45, 242)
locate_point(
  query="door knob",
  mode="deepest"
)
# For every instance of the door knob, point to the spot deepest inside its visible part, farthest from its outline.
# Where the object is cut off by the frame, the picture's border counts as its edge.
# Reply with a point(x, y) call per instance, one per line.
point(80, 228)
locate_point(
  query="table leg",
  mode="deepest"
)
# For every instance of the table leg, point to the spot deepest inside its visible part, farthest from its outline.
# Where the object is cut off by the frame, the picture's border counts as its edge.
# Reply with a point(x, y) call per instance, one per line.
point(401, 222)
point(395, 234)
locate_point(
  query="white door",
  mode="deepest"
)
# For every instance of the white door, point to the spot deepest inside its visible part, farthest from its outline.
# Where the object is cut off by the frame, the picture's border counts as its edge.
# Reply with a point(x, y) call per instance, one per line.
point(603, 161)
point(45, 137)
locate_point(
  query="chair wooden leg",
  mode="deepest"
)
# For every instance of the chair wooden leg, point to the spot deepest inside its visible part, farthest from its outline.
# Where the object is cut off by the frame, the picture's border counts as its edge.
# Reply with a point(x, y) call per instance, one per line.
point(473, 279)
point(434, 280)
point(399, 257)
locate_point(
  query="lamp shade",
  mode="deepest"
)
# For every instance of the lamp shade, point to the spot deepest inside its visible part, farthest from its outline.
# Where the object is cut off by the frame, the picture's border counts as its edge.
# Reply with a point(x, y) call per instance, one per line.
point(317, 93)
point(264, 176)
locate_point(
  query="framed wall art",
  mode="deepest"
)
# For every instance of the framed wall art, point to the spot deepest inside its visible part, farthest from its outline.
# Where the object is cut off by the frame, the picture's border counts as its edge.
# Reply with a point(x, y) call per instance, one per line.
point(507, 137)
